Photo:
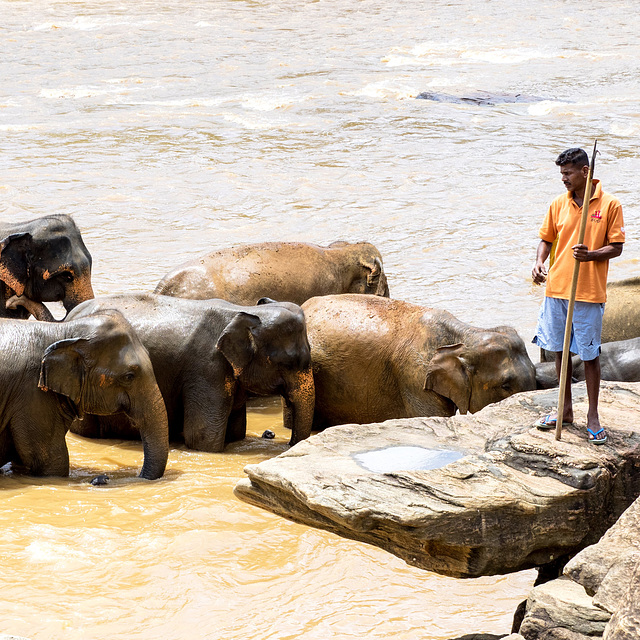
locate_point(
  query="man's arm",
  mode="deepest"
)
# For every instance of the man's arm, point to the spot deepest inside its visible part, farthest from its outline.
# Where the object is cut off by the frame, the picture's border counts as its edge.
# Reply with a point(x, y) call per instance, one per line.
point(539, 272)
point(582, 254)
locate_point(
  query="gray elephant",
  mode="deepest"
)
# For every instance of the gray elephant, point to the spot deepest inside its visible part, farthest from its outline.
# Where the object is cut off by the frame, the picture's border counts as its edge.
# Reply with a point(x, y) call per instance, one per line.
point(619, 362)
point(209, 356)
point(375, 359)
point(44, 260)
point(52, 374)
point(286, 271)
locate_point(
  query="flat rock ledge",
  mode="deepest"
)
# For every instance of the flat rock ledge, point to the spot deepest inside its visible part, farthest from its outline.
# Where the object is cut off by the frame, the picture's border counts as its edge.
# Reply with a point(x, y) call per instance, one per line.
point(465, 496)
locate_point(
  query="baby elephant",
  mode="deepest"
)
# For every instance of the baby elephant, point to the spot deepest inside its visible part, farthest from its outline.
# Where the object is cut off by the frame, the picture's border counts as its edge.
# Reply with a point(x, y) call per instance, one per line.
point(51, 374)
point(209, 356)
point(291, 271)
point(376, 359)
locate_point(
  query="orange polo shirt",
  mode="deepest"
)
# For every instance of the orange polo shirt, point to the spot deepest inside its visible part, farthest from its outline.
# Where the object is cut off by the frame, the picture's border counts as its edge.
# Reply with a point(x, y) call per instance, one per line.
point(604, 226)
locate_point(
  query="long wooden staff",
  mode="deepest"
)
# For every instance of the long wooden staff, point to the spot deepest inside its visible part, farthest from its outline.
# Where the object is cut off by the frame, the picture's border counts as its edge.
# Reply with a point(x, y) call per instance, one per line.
point(566, 353)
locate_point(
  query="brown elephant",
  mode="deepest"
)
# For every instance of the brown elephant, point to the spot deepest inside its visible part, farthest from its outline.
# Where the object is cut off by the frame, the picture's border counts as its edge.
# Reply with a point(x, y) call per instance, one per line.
point(375, 359)
point(621, 320)
point(54, 373)
point(43, 260)
point(284, 271)
point(209, 356)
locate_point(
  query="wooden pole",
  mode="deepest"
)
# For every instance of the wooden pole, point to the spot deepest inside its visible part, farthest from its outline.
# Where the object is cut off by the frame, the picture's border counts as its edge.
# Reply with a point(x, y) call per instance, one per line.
point(566, 352)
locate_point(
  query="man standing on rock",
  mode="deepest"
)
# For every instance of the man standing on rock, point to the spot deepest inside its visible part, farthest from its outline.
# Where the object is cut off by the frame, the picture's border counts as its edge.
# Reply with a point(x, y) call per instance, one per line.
point(603, 240)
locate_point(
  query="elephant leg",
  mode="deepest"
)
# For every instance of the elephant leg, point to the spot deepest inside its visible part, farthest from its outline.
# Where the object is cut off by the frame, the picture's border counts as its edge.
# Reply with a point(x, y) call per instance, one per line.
point(114, 426)
point(88, 427)
point(237, 425)
point(41, 447)
point(205, 418)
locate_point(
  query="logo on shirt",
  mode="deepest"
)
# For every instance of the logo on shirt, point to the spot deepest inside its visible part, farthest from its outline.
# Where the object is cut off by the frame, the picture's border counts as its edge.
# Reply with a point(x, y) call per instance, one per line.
point(596, 216)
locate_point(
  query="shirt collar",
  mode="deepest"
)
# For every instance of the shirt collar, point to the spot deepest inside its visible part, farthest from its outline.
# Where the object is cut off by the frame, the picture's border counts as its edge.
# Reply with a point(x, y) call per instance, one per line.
point(597, 191)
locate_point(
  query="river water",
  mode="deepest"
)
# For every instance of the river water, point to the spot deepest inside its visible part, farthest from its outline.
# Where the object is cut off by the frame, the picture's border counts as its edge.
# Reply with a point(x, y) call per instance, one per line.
point(171, 128)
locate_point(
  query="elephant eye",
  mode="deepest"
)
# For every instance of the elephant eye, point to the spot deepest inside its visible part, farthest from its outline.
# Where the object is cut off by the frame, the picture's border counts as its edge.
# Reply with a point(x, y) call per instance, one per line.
point(507, 385)
point(66, 276)
point(128, 377)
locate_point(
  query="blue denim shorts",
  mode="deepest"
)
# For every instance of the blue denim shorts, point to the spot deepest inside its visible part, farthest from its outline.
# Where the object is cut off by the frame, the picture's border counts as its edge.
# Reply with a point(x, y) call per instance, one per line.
point(586, 328)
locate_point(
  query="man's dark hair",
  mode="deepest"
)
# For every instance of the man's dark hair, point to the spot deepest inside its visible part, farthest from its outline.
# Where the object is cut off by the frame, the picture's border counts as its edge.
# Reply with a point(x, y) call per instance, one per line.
point(577, 157)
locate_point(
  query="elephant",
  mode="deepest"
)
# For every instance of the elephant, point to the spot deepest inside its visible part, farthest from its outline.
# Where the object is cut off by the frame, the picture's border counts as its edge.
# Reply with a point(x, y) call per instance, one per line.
point(375, 359)
point(284, 271)
point(209, 356)
point(621, 320)
point(480, 98)
point(619, 362)
point(43, 260)
point(54, 373)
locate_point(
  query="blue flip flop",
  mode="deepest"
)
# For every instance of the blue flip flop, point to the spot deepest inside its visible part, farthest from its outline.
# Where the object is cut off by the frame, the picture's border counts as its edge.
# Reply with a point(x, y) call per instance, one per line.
point(549, 422)
point(594, 439)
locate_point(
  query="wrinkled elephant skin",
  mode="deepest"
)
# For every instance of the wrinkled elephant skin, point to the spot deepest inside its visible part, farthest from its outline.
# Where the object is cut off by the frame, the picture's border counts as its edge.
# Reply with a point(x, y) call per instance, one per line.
point(284, 271)
point(43, 260)
point(209, 356)
point(375, 359)
point(53, 373)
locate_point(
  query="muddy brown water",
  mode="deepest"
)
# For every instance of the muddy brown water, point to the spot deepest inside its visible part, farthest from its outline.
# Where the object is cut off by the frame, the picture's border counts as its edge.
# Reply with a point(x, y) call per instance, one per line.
point(170, 128)
point(182, 558)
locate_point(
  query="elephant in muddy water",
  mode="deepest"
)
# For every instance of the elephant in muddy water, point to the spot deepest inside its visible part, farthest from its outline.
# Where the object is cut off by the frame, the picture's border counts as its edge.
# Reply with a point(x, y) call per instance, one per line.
point(51, 374)
point(44, 260)
point(375, 359)
point(619, 362)
point(621, 320)
point(285, 271)
point(209, 356)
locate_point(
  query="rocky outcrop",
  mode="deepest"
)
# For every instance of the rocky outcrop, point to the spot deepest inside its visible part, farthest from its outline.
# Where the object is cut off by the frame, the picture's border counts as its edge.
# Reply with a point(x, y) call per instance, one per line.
point(463, 496)
point(562, 610)
point(598, 597)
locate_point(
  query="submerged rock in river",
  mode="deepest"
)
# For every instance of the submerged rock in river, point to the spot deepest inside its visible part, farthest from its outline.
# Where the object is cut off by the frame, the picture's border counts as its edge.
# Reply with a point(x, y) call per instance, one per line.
point(464, 496)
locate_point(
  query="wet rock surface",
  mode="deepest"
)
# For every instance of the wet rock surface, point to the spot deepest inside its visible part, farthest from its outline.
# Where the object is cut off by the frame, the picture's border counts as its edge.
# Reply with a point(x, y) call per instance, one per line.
point(511, 498)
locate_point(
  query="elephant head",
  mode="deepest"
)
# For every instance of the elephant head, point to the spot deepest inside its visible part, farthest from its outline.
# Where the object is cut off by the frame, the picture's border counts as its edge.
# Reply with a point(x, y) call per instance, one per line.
point(109, 371)
point(46, 261)
point(488, 367)
point(270, 355)
point(365, 272)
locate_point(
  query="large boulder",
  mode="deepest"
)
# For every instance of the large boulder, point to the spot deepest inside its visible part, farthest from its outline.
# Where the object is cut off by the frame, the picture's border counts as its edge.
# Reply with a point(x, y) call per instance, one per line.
point(610, 572)
point(562, 610)
point(599, 595)
point(464, 496)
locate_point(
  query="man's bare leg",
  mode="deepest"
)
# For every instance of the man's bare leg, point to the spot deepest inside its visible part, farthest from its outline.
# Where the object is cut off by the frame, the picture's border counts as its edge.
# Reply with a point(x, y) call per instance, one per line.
point(567, 414)
point(592, 378)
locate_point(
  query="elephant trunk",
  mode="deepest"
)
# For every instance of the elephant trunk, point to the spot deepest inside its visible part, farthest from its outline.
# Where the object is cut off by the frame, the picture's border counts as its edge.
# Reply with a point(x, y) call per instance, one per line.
point(298, 406)
point(151, 420)
point(78, 291)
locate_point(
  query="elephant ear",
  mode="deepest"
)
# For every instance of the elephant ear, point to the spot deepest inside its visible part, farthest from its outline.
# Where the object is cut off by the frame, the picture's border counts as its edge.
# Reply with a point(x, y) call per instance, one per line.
point(374, 267)
point(63, 369)
point(449, 376)
point(237, 343)
point(14, 260)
